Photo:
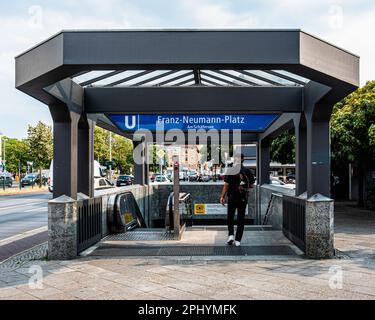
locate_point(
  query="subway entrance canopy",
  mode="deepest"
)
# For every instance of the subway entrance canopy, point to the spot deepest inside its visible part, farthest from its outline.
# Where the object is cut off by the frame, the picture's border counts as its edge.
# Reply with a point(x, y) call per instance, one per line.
point(264, 81)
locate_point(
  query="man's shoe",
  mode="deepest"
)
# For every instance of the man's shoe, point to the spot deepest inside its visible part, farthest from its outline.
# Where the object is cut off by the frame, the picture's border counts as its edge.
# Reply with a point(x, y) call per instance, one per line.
point(230, 240)
point(237, 243)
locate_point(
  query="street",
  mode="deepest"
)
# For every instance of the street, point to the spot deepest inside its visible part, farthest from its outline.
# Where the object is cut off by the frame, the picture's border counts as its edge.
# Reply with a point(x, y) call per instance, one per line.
point(21, 213)
point(23, 222)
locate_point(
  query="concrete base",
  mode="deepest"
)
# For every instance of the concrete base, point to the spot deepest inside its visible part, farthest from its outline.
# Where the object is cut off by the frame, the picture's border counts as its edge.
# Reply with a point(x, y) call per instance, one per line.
point(62, 228)
point(319, 227)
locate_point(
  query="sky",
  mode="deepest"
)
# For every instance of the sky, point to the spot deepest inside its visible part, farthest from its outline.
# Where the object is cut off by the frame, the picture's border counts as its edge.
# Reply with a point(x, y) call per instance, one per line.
point(346, 23)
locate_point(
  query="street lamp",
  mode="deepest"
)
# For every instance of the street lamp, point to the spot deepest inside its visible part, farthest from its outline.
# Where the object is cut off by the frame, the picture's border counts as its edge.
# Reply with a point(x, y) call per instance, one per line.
point(1, 151)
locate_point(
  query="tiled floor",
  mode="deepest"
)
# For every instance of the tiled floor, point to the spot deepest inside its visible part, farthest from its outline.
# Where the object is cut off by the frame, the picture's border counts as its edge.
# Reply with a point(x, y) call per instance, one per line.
point(256, 277)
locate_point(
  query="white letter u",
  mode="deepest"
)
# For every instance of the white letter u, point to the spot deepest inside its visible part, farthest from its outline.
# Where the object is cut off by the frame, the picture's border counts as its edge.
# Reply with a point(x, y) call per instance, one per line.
point(133, 124)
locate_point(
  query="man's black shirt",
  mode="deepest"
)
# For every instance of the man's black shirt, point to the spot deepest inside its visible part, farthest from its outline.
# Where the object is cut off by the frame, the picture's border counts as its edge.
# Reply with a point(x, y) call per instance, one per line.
point(242, 179)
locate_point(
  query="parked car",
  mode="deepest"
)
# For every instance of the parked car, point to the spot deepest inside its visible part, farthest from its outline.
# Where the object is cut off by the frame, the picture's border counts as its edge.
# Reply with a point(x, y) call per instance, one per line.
point(102, 183)
point(161, 178)
point(221, 176)
point(291, 178)
point(153, 176)
point(206, 178)
point(192, 176)
point(98, 173)
point(183, 175)
point(33, 179)
point(6, 180)
point(277, 182)
point(124, 180)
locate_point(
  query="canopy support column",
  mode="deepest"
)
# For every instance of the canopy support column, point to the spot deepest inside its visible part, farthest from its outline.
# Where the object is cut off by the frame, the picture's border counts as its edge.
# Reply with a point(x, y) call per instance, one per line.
point(86, 156)
point(65, 138)
point(140, 168)
point(318, 158)
point(301, 154)
point(264, 162)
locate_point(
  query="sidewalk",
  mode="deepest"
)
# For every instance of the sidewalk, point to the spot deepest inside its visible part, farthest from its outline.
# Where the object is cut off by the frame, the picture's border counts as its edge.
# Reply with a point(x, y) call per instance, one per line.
point(15, 191)
point(202, 277)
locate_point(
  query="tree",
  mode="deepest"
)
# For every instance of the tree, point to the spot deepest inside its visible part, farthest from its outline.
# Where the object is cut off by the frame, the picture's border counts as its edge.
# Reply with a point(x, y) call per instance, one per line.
point(122, 150)
point(122, 153)
point(40, 142)
point(101, 145)
point(283, 148)
point(154, 165)
point(353, 132)
point(17, 152)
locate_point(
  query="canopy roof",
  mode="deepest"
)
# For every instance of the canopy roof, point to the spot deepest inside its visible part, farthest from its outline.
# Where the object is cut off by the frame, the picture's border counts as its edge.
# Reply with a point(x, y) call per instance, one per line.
point(184, 71)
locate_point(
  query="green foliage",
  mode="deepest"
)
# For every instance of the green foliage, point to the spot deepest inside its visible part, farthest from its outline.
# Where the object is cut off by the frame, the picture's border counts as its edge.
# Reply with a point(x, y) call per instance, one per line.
point(352, 126)
point(283, 148)
point(17, 152)
point(352, 130)
point(371, 135)
point(39, 140)
point(154, 165)
point(208, 153)
point(122, 150)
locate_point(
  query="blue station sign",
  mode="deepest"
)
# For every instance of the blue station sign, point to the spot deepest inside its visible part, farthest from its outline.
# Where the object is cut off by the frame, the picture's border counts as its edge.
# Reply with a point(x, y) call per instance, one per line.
point(152, 122)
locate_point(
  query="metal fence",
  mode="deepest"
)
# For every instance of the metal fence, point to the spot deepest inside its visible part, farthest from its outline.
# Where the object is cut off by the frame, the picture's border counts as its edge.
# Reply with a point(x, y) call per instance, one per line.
point(89, 222)
point(294, 225)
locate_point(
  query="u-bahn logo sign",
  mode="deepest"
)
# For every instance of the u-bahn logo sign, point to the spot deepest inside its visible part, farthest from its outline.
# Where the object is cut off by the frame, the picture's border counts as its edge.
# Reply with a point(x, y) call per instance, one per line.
point(199, 208)
point(245, 122)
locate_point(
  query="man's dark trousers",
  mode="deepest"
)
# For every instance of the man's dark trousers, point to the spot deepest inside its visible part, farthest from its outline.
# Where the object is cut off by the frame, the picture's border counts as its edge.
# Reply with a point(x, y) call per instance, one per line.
point(240, 206)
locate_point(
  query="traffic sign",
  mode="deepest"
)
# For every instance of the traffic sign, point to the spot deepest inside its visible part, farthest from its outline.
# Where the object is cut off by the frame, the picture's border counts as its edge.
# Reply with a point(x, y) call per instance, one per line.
point(199, 208)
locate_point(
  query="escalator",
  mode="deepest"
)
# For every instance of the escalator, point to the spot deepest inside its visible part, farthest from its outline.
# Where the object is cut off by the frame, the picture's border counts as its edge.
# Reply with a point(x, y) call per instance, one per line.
point(123, 213)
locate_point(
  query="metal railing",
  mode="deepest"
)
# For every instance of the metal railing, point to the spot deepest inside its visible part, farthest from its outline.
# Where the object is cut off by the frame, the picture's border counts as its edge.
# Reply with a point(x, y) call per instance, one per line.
point(185, 208)
point(270, 208)
point(89, 223)
point(294, 225)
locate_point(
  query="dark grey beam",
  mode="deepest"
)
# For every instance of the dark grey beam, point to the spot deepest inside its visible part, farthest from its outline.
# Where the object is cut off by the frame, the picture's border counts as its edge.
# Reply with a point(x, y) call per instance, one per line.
point(246, 138)
point(264, 162)
point(281, 124)
point(71, 52)
point(318, 158)
point(317, 139)
point(104, 123)
point(301, 154)
point(85, 171)
point(193, 99)
point(197, 76)
point(68, 92)
point(140, 168)
point(184, 46)
point(65, 150)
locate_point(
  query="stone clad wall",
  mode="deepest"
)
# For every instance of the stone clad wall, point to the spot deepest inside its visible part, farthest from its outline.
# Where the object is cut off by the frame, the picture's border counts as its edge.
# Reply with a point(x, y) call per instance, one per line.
point(152, 201)
point(200, 192)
